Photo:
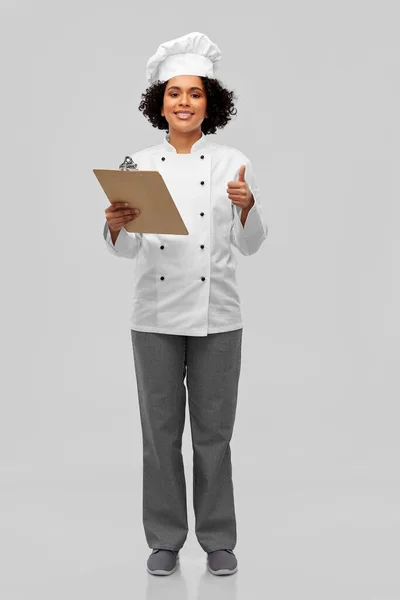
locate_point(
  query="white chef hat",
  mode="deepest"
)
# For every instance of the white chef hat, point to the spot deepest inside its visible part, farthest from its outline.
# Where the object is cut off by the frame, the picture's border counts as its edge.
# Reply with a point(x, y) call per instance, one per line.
point(191, 54)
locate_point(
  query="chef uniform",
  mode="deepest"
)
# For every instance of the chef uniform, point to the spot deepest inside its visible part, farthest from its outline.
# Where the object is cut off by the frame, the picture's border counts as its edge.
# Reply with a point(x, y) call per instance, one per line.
point(185, 290)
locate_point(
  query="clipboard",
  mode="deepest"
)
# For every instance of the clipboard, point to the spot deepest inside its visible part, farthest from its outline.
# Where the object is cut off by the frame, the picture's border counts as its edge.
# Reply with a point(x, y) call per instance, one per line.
point(147, 191)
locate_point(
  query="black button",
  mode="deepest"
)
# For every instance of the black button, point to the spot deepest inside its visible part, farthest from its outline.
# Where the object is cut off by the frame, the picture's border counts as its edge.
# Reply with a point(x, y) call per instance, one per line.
point(203, 278)
point(163, 158)
point(202, 214)
point(202, 246)
point(162, 247)
point(202, 182)
point(202, 156)
point(161, 277)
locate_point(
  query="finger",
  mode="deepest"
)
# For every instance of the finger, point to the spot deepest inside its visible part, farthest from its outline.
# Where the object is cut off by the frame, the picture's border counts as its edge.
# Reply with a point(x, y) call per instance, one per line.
point(241, 173)
point(124, 212)
point(122, 220)
point(130, 214)
point(237, 195)
point(118, 205)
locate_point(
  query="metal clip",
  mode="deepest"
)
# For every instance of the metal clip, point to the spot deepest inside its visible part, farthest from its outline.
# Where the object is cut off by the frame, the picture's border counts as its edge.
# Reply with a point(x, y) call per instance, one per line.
point(128, 164)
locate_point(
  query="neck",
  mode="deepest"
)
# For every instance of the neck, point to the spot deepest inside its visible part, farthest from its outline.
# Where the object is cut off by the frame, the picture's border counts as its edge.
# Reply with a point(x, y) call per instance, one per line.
point(182, 141)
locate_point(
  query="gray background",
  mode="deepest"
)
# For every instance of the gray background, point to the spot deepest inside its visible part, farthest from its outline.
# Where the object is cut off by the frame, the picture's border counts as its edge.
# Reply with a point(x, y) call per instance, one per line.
point(316, 446)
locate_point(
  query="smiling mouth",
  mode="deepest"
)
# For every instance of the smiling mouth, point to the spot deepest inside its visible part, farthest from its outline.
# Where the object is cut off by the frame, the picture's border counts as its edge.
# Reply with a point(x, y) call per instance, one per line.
point(183, 115)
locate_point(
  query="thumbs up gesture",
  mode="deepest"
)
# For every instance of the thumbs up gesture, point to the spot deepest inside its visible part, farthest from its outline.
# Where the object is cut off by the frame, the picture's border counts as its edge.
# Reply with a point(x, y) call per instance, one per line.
point(239, 192)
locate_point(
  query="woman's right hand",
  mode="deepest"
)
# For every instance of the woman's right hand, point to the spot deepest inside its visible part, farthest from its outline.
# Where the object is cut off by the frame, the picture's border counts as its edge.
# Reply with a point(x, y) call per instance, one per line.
point(119, 214)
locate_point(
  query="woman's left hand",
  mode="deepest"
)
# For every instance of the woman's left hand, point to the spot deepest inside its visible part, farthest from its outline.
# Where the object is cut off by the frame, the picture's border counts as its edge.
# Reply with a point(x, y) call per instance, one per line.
point(239, 192)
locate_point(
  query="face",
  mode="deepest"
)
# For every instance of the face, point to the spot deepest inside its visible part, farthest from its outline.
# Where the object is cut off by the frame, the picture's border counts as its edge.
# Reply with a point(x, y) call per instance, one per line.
point(184, 93)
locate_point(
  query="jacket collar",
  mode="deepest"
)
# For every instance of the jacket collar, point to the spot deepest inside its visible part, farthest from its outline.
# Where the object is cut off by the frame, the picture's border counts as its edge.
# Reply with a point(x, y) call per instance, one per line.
point(201, 144)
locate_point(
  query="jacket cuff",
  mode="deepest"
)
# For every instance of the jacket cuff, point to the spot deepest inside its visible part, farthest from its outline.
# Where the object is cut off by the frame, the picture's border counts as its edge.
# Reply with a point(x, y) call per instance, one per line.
point(126, 245)
point(250, 236)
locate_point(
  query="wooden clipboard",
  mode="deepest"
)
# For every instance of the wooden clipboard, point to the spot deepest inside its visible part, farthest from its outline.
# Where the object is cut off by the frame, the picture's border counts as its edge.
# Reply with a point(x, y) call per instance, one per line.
point(147, 191)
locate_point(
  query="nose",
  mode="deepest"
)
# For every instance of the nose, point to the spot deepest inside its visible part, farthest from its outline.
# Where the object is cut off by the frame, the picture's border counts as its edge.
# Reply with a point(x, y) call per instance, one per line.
point(183, 102)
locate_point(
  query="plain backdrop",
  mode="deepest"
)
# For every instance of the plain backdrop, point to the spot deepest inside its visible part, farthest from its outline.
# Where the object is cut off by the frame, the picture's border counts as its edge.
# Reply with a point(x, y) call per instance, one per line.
point(315, 449)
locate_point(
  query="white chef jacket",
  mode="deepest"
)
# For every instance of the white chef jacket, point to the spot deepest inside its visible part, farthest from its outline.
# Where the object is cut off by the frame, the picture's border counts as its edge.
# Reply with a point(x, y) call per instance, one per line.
point(186, 284)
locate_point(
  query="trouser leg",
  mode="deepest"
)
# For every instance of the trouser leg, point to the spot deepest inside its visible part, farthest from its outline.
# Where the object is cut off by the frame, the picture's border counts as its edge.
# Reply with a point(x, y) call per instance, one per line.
point(213, 370)
point(160, 371)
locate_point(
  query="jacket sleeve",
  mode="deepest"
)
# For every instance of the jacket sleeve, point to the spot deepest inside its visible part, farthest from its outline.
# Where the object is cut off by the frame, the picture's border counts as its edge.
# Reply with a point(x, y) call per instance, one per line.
point(127, 244)
point(249, 238)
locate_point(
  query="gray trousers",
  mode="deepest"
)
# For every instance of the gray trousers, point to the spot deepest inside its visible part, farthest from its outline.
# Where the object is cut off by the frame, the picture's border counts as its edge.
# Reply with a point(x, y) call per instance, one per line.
point(211, 365)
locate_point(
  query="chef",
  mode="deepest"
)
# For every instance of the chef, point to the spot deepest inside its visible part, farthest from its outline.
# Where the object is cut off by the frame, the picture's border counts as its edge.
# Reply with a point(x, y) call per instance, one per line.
point(186, 316)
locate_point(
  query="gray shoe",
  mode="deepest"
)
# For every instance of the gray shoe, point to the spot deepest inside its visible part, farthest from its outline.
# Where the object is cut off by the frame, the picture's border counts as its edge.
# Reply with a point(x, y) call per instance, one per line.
point(162, 562)
point(222, 562)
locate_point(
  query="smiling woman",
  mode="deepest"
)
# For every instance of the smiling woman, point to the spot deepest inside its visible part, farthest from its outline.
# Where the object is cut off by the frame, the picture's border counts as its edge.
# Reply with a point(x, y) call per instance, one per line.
point(184, 108)
point(211, 104)
point(186, 317)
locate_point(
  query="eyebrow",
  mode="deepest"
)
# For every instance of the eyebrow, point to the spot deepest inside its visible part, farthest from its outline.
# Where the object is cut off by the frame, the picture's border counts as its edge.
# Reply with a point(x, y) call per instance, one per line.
point(176, 87)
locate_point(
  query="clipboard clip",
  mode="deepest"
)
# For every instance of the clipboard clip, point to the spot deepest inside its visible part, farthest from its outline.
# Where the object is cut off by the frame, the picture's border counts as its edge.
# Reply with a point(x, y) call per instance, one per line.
point(128, 164)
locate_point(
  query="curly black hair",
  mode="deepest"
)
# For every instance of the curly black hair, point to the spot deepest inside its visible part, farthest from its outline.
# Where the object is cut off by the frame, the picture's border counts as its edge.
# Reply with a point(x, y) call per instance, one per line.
point(220, 105)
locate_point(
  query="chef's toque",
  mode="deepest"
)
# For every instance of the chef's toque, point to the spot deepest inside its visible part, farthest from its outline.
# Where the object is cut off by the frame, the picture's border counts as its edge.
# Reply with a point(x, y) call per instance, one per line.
point(191, 54)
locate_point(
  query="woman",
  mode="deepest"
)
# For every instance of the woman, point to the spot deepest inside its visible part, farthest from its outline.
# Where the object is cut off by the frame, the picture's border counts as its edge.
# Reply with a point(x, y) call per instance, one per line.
point(186, 319)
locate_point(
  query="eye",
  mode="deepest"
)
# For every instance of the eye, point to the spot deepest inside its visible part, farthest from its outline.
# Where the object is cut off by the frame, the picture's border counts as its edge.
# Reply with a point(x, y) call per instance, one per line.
point(176, 93)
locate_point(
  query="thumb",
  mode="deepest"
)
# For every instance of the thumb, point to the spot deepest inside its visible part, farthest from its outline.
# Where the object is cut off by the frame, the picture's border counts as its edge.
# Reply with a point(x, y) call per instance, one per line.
point(241, 173)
